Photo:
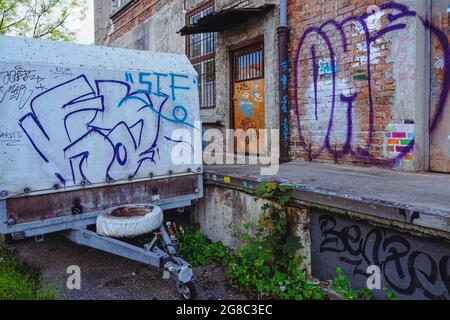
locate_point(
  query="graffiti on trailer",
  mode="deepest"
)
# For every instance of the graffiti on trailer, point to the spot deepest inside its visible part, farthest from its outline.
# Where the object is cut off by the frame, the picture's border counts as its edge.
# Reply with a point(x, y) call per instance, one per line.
point(340, 95)
point(408, 271)
point(11, 139)
point(103, 128)
point(19, 84)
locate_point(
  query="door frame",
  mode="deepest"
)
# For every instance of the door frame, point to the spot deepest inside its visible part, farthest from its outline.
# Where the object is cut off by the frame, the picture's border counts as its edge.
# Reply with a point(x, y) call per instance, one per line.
point(430, 11)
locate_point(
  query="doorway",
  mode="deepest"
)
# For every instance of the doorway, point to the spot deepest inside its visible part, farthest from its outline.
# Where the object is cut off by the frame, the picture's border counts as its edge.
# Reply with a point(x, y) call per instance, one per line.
point(248, 97)
point(440, 110)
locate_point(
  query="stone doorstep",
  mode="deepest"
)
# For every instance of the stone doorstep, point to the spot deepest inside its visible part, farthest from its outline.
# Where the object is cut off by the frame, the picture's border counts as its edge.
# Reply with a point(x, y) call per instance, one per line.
point(308, 196)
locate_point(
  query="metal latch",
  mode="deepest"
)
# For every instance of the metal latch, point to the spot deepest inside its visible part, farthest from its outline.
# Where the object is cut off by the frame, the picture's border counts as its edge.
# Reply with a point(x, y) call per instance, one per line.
point(77, 208)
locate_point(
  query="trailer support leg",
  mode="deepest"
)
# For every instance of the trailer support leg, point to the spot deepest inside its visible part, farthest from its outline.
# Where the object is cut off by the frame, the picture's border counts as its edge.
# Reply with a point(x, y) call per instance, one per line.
point(150, 254)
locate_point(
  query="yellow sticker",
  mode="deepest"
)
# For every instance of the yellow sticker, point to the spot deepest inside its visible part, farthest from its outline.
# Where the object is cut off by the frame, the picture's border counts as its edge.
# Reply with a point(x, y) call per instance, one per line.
point(227, 179)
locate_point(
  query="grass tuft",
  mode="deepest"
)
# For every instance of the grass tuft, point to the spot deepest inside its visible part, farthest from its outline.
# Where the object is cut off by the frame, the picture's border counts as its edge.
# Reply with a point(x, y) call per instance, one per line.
point(21, 281)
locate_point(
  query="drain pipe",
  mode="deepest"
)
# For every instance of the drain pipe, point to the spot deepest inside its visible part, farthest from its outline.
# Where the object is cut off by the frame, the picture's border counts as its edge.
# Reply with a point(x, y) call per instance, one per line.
point(283, 72)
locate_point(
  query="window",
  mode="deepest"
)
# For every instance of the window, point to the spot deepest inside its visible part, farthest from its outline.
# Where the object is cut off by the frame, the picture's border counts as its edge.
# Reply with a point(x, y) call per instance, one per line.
point(121, 3)
point(200, 48)
point(249, 63)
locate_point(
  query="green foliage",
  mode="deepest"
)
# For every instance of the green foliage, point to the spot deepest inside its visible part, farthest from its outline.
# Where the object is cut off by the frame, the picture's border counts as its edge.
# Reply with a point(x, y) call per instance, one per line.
point(390, 295)
point(266, 264)
point(20, 281)
point(44, 19)
point(343, 287)
point(197, 249)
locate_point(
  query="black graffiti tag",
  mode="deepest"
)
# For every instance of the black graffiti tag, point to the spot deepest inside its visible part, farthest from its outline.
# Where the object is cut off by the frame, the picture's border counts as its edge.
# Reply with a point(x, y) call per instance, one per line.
point(405, 269)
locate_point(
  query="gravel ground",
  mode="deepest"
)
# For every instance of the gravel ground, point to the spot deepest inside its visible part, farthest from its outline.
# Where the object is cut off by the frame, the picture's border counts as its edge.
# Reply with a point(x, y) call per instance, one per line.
point(108, 277)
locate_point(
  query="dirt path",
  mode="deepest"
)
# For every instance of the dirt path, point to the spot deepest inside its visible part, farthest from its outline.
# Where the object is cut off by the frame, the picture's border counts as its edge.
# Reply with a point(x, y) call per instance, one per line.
point(105, 276)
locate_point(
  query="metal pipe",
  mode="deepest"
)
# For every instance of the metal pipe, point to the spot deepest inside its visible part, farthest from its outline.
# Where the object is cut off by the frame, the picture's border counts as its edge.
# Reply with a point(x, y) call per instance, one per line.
point(283, 13)
point(283, 72)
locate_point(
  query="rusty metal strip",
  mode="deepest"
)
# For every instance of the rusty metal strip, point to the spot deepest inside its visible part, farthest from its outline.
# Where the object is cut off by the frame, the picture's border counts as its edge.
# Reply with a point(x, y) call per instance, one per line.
point(48, 206)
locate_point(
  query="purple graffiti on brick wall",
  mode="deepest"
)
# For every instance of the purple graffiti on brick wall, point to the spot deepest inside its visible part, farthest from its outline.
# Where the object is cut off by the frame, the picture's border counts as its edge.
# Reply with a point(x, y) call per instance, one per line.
point(93, 132)
point(341, 95)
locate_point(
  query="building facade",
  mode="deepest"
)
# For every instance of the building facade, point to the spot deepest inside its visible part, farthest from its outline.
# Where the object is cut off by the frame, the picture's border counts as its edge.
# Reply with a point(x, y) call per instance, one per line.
point(368, 80)
point(252, 44)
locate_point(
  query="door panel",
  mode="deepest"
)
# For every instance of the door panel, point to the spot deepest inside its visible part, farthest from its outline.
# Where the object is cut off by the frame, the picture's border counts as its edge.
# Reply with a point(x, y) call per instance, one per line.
point(248, 111)
point(440, 112)
point(248, 98)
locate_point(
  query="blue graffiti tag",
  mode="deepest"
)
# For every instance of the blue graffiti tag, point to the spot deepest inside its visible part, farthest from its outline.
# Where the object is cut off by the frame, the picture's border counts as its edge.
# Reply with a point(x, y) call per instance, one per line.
point(104, 127)
point(246, 107)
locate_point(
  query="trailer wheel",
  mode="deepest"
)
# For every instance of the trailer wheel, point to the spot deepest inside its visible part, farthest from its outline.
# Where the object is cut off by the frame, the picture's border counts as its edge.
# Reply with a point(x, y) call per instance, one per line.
point(188, 291)
point(129, 221)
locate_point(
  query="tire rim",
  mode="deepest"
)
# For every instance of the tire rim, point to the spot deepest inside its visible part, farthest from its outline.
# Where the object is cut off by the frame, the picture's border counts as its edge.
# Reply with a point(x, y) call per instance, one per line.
point(186, 292)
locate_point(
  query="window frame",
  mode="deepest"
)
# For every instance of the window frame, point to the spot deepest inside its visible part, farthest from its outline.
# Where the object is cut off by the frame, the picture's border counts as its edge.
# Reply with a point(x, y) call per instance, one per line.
point(203, 59)
point(117, 9)
point(122, 3)
point(247, 54)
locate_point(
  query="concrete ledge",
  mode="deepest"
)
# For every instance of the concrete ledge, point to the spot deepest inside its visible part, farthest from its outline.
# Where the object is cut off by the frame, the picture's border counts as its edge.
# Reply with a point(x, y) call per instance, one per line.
point(435, 217)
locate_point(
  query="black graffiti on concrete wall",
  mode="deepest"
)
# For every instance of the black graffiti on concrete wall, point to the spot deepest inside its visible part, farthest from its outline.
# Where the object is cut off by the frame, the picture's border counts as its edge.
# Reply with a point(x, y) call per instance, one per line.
point(405, 268)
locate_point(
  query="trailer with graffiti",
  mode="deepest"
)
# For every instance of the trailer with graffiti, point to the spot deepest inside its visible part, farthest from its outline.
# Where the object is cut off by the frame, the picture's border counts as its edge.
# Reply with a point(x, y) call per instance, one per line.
point(85, 129)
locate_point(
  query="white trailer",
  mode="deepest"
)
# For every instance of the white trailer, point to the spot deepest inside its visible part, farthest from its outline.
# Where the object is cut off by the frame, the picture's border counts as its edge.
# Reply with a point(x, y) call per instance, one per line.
point(85, 130)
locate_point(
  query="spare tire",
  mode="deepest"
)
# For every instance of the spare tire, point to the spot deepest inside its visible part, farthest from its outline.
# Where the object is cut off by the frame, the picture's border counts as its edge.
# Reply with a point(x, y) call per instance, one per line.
point(129, 221)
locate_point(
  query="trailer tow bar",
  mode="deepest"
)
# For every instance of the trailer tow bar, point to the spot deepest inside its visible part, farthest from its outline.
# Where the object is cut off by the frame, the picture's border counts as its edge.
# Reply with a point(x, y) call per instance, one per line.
point(164, 258)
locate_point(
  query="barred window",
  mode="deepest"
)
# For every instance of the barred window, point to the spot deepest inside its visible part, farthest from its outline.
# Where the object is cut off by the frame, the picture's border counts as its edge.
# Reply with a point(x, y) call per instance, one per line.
point(200, 48)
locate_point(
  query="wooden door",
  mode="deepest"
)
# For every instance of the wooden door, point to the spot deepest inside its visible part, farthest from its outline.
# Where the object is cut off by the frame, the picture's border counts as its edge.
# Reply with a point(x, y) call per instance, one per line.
point(248, 89)
point(440, 110)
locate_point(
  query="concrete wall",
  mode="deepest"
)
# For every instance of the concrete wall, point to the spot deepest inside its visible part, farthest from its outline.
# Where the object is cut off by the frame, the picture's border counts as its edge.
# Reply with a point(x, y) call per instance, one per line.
point(414, 267)
point(415, 264)
point(102, 23)
point(349, 105)
point(143, 24)
point(223, 213)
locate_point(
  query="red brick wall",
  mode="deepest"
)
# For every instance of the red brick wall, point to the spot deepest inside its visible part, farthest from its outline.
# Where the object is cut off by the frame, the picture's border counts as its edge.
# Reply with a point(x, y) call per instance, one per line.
point(343, 137)
point(132, 15)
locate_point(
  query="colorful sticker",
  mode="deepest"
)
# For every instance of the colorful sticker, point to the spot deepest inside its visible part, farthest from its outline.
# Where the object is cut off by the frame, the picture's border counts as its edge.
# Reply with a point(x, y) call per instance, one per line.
point(399, 138)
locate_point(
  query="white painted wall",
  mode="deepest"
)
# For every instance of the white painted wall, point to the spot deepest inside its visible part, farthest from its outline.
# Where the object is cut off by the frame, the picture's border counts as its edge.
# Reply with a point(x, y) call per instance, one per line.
point(74, 115)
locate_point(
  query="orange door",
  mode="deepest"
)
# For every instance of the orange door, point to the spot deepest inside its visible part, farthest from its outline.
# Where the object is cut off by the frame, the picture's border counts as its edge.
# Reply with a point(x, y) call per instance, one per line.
point(248, 98)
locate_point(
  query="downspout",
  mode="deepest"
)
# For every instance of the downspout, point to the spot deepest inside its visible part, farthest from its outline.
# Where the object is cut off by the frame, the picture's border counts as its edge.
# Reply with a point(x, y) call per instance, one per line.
point(283, 72)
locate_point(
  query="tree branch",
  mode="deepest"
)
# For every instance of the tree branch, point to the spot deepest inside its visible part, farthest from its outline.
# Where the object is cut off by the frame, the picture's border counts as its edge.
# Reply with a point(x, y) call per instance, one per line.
point(14, 23)
point(5, 12)
point(52, 28)
point(4, 17)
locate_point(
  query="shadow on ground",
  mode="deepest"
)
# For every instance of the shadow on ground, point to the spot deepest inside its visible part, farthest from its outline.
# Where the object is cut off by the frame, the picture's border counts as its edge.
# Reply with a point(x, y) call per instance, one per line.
point(108, 277)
